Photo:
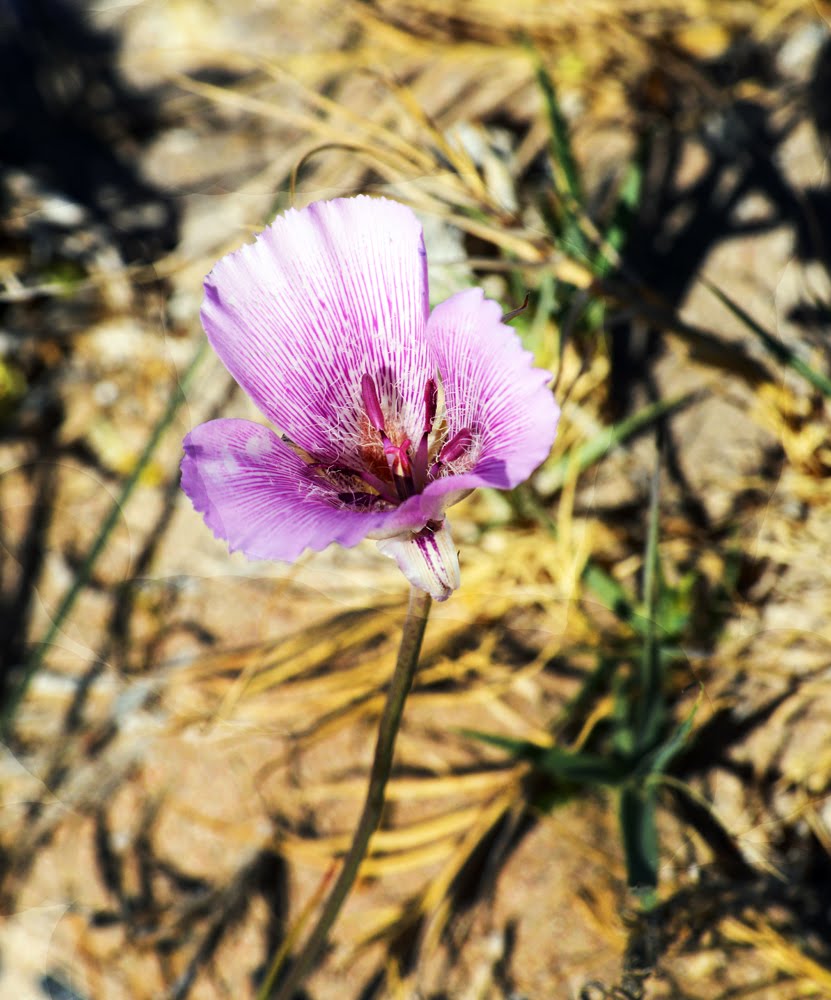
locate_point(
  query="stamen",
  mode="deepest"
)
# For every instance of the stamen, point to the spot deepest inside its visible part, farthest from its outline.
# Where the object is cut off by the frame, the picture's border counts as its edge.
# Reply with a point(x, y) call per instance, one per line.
point(420, 461)
point(407, 472)
point(369, 393)
point(336, 474)
point(456, 446)
point(452, 450)
point(431, 403)
point(356, 498)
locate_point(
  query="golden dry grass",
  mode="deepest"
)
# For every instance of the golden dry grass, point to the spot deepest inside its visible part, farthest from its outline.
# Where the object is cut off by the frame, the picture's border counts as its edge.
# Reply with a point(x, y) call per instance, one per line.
point(187, 812)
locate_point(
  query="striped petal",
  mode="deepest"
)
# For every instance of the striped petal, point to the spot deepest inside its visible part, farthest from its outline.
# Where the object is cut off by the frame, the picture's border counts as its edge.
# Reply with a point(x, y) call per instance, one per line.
point(256, 494)
point(492, 390)
point(323, 296)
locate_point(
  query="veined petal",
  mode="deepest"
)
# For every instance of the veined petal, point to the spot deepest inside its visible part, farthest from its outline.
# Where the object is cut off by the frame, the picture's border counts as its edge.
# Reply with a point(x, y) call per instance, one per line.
point(428, 559)
point(323, 296)
point(492, 389)
point(259, 496)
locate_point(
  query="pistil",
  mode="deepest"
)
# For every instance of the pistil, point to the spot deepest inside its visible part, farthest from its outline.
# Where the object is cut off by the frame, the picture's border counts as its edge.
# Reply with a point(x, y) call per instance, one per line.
point(397, 455)
point(431, 403)
point(349, 481)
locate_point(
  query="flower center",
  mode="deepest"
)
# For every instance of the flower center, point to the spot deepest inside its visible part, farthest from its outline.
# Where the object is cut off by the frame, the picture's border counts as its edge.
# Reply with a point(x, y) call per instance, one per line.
point(407, 467)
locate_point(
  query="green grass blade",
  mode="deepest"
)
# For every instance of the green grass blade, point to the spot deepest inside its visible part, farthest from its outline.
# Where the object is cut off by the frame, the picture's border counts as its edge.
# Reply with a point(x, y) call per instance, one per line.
point(611, 595)
point(591, 452)
point(572, 767)
point(546, 306)
point(640, 840)
point(520, 749)
point(649, 710)
point(580, 768)
point(567, 176)
point(660, 760)
point(779, 350)
point(606, 590)
point(84, 572)
point(568, 234)
point(628, 200)
point(604, 587)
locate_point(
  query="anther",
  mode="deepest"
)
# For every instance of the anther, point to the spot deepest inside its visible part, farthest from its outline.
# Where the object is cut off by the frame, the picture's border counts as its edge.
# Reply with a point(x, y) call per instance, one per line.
point(456, 446)
point(431, 402)
point(431, 405)
point(369, 394)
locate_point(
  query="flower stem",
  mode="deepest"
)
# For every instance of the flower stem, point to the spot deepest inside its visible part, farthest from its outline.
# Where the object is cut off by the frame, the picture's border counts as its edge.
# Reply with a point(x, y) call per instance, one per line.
point(402, 680)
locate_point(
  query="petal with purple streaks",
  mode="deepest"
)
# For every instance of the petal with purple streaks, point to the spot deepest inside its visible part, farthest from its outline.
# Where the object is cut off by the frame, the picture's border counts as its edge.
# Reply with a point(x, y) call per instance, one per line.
point(259, 496)
point(323, 296)
point(492, 390)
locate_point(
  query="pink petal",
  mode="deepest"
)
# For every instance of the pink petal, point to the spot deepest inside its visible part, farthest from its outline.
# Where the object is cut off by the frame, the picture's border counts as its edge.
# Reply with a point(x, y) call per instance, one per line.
point(322, 297)
point(257, 495)
point(490, 388)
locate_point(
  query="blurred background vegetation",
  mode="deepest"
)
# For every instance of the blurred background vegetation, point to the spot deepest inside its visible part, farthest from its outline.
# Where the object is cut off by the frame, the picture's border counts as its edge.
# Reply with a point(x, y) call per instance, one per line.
point(613, 778)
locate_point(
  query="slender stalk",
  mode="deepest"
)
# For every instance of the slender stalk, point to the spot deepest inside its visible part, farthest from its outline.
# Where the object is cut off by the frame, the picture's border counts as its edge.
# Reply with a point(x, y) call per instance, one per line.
point(402, 680)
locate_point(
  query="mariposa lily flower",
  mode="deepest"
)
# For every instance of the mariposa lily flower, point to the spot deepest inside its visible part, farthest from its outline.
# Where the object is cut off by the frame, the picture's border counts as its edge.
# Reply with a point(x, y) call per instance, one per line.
point(388, 413)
